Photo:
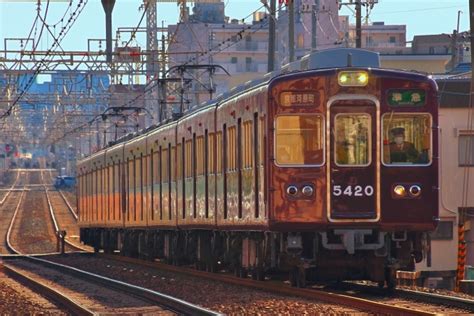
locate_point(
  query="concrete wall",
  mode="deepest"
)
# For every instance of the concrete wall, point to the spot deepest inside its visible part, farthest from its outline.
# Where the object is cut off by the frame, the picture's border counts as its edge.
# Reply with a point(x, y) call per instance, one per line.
point(444, 252)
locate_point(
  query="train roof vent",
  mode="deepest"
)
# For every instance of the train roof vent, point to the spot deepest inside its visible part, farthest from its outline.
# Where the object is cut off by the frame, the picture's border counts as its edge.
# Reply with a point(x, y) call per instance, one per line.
point(339, 57)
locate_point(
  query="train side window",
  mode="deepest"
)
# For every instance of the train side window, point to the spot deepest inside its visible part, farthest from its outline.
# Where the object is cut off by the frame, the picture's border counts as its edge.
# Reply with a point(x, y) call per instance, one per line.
point(165, 168)
point(219, 156)
point(247, 145)
point(172, 163)
point(231, 149)
point(299, 140)
point(130, 186)
point(200, 156)
point(407, 139)
point(352, 143)
point(210, 153)
point(179, 169)
point(156, 169)
point(188, 159)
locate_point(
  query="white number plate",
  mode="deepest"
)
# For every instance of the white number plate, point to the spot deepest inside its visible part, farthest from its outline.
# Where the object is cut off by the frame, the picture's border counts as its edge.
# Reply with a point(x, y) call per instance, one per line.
point(357, 190)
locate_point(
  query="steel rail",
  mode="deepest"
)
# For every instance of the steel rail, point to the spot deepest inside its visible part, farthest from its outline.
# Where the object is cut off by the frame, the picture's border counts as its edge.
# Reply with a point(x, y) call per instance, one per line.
point(10, 189)
point(279, 288)
point(10, 227)
point(452, 301)
point(71, 210)
point(174, 304)
point(60, 299)
point(458, 302)
point(53, 217)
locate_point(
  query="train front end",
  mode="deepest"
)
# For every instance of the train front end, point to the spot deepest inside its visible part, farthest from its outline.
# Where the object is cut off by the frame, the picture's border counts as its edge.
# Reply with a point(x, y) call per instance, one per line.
point(353, 170)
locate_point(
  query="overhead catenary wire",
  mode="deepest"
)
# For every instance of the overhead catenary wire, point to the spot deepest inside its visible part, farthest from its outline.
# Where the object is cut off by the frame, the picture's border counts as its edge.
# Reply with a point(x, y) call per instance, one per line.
point(65, 29)
point(251, 29)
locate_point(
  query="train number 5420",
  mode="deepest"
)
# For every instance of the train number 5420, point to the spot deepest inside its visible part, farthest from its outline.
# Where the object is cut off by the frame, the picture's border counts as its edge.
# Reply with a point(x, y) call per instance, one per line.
point(350, 190)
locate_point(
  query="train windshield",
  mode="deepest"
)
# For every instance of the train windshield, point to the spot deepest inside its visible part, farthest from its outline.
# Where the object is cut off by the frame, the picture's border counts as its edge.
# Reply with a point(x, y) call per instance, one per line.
point(406, 139)
point(299, 140)
point(353, 141)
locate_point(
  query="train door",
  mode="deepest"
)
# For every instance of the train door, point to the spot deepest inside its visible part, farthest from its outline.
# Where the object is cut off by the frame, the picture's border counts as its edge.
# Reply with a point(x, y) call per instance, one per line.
point(353, 158)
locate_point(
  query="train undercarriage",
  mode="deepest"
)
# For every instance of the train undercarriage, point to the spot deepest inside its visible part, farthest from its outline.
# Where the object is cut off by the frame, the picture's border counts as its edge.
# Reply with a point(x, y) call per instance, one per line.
point(333, 255)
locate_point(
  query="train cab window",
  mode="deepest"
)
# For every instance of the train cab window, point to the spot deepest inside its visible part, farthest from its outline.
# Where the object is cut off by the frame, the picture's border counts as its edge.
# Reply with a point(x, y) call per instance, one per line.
point(406, 139)
point(352, 139)
point(299, 140)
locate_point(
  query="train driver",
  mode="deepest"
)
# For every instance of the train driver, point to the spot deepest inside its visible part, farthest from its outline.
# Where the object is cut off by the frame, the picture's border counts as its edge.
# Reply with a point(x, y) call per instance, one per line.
point(401, 150)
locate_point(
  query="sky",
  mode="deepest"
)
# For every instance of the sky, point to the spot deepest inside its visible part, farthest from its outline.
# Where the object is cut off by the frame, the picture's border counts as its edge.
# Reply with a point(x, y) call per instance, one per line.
point(17, 16)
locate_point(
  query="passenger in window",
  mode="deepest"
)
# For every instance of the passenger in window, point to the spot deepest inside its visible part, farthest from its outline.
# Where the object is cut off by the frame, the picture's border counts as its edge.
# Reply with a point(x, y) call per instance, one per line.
point(401, 150)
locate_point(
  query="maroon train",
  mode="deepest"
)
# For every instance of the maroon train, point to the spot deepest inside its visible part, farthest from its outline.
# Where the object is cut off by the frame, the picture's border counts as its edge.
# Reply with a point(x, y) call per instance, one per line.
point(328, 173)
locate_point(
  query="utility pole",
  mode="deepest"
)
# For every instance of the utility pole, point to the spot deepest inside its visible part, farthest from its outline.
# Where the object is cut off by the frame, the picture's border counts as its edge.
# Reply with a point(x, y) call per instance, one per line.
point(358, 8)
point(462, 250)
point(291, 29)
point(271, 37)
point(454, 44)
point(108, 6)
point(314, 23)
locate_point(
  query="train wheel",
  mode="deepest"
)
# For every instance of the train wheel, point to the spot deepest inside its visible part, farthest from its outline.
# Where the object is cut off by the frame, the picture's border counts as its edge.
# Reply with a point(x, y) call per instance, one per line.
point(258, 274)
point(293, 277)
point(391, 279)
point(211, 267)
point(298, 277)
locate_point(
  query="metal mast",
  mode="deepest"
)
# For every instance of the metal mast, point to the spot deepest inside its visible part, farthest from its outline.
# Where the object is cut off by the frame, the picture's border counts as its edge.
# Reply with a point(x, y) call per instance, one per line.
point(151, 39)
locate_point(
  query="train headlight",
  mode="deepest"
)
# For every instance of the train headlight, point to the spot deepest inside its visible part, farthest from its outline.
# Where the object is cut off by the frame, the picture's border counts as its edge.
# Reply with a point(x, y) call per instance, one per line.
point(307, 190)
point(399, 191)
point(353, 78)
point(415, 190)
point(362, 78)
point(292, 190)
point(343, 78)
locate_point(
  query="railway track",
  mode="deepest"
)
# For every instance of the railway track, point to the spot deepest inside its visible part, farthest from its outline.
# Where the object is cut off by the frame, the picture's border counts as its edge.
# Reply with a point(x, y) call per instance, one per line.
point(81, 292)
point(77, 291)
point(63, 217)
point(433, 298)
point(400, 304)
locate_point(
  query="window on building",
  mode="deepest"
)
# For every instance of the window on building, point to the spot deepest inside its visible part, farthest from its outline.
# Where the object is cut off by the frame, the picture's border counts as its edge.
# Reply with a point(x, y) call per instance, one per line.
point(466, 150)
point(233, 60)
point(432, 50)
point(248, 63)
point(444, 231)
point(392, 39)
point(368, 41)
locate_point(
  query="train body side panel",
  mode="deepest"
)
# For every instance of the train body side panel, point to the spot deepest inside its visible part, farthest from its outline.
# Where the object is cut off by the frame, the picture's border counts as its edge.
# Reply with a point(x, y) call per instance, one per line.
point(240, 179)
